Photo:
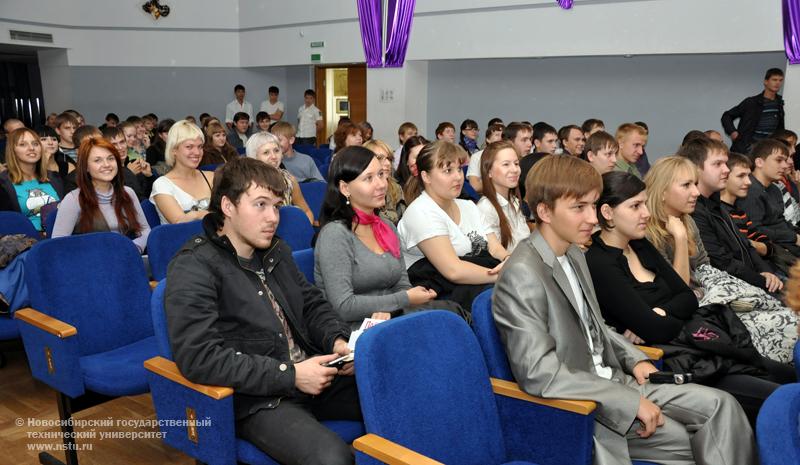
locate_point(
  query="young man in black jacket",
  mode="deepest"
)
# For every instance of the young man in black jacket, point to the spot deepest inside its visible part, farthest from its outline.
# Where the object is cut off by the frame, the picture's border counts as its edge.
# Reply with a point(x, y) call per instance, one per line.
point(241, 314)
point(727, 249)
point(759, 115)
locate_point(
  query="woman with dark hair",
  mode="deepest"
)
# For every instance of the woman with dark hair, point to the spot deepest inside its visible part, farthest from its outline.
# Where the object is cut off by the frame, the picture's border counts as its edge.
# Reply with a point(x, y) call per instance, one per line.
point(27, 186)
point(155, 152)
point(642, 296)
point(407, 168)
point(366, 131)
point(346, 135)
point(217, 149)
point(53, 158)
point(358, 260)
point(102, 202)
point(468, 140)
point(448, 244)
point(500, 203)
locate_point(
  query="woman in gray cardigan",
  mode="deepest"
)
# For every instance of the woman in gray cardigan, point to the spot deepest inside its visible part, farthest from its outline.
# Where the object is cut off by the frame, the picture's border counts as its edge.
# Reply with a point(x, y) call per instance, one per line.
point(358, 262)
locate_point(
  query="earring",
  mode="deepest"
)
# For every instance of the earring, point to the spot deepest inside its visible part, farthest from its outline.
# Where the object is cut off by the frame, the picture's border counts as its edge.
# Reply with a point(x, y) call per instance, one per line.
point(348, 199)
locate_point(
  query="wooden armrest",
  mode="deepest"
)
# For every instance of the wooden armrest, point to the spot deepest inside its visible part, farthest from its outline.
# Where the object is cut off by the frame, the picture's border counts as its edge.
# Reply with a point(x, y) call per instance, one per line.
point(169, 370)
point(389, 452)
point(153, 284)
point(45, 323)
point(511, 389)
point(652, 353)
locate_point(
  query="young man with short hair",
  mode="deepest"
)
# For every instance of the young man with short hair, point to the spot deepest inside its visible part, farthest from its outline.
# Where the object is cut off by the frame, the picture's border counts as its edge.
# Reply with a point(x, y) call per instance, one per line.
point(787, 185)
point(111, 121)
point(262, 121)
point(241, 130)
point(309, 119)
point(591, 126)
point(66, 124)
point(736, 188)
point(727, 249)
point(446, 131)
point(272, 106)
point(236, 280)
point(404, 132)
point(238, 105)
point(764, 203)
point(544, 139)
point(494, 133)
point(759, 115)
point(601, 152)
point(300, 165)
point(558, 345)
point(572, 140)
point(632, 140)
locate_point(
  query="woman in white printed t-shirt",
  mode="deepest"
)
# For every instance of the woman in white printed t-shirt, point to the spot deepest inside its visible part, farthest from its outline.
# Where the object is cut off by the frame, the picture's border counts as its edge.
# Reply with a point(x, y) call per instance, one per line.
point(500, 204)
point(448, 246)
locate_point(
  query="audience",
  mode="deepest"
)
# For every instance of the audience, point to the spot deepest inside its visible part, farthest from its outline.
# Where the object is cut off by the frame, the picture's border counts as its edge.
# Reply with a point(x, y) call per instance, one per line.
point(787, 184)
point(468, 140)
point(272, 106)
point(27, 186)
point(448, 246)
point(671, 199)
point(358, 262)
point(238, 105)
point(572, 140)
point(309, 120)
point(54, 159)
point(266, 147)
point(366, 131)
point(642, 296)
point(217, 149)
point(299, 164)
point(404, 132)
point(643, 164)
point(408, 160)
point(346, 135)
point(240, 130)
point(500, 204)
point(558, 346)
point(759, 115)
point(66, 124)
point(446, 131)
point(183, 193)
point(102, 202)
point(137, 175)
point(395, 204)
point(591, 126)
point(155, 153)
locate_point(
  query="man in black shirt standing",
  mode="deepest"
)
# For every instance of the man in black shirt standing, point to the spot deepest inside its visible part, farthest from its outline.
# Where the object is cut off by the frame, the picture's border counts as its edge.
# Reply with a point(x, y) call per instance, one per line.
point(759, 115)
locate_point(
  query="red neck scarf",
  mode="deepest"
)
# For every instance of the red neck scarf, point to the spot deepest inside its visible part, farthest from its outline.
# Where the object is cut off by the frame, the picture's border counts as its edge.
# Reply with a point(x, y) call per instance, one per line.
point(386, 238)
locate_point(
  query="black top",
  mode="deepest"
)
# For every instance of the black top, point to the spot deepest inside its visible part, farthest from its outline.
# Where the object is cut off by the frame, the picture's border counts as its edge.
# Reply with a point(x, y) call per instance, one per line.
point(525, 165)
point(748, 112)
point(764, 207)
point(627, 303)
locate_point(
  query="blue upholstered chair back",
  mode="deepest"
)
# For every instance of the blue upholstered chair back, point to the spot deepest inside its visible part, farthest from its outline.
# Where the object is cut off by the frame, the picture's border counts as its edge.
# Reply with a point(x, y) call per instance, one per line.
point(17, 223)
point(778, 426)
point(423, 384)
point(314, 193)
point(294, 228)
point(164, 242)
point(304, 259)
point(160, 320)
point(150, 213)
point(797, 359)
point(95, 282)
point(49, 221)
point(489, 339)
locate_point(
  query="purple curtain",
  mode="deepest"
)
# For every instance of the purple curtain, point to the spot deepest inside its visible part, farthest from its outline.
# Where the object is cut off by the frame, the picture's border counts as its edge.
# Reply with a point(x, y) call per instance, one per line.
point(791, 30)
point(369, 18)
point(565, 4)
point(401, 15)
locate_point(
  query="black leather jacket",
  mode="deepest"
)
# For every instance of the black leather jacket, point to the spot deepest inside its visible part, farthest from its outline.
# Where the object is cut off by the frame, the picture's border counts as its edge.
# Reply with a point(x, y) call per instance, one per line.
point(223, 329)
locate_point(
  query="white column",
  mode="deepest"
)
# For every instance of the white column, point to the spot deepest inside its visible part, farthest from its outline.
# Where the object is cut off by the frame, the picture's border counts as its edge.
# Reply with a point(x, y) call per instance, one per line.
point(791, 97)
point(396, 95)
point(56, 80)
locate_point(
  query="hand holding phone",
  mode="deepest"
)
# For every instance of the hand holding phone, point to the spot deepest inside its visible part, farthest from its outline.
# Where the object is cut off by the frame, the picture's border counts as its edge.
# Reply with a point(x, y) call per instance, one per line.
point(338, 363)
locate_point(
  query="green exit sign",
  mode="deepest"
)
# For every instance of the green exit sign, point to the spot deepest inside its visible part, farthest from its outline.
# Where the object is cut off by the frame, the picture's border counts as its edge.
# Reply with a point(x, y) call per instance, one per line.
point(319, 44)
point(316, 57)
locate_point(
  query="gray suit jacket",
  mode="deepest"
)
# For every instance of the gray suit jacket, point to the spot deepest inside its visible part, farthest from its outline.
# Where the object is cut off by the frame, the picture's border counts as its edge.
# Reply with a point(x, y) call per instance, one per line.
point(536, 314)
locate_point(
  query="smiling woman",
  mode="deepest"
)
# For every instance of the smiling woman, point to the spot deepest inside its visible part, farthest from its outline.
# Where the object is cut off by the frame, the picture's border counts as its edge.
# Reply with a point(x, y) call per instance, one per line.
point(102, 202)
point(183, 193)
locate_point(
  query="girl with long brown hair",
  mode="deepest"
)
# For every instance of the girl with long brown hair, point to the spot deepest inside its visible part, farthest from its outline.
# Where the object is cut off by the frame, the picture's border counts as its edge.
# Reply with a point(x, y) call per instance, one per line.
point(500, 203)
point(102, 202)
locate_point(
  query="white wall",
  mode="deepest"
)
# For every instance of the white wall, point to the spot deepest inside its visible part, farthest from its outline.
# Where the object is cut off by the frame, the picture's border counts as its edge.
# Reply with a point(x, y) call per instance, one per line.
point(408, 87)
point(672, 94)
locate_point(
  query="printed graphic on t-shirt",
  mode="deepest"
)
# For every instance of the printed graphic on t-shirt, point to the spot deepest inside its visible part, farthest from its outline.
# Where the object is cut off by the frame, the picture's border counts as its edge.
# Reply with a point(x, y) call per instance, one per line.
point(37, 199)
point(479, 243)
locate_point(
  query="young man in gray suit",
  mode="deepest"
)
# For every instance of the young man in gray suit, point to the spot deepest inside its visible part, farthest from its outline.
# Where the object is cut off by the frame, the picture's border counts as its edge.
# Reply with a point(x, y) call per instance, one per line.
point(558, 345)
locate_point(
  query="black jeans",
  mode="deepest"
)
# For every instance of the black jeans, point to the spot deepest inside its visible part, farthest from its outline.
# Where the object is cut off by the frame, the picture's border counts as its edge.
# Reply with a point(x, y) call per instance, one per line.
point(752, 391)
point(306, 141)
point(291, 433)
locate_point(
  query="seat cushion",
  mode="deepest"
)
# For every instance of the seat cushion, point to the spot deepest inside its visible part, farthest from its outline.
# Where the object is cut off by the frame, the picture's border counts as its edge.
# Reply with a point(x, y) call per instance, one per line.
point(517, 462)
point(250, 454)
point(119, 372)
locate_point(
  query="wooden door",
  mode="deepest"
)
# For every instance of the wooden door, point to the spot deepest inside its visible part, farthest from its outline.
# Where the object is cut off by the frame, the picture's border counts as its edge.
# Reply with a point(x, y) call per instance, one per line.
point(357, 92)
point(319, 88)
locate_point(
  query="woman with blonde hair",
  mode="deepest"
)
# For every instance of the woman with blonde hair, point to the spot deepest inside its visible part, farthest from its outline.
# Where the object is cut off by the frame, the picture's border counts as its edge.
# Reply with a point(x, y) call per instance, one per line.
point(184, 193)
point(395, 204)
point(671, 198)
point(266, 147)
